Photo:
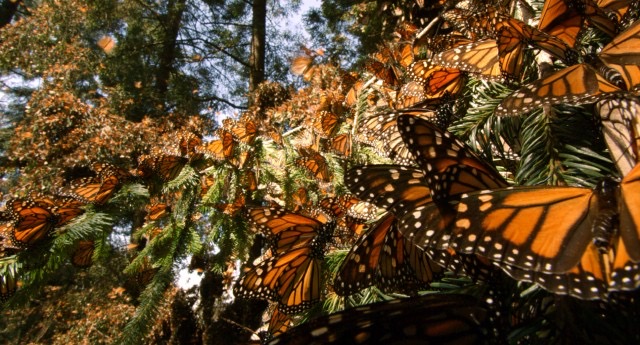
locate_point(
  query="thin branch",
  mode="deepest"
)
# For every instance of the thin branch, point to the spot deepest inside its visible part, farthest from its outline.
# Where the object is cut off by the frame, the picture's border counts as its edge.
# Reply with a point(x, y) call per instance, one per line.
point(222, 100)
point(428, 27)
point(235, 58)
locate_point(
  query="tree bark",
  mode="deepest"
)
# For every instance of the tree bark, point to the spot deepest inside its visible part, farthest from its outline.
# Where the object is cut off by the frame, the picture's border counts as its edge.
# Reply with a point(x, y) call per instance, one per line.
point(258, 38)
point(7, 11)
point(166, 59)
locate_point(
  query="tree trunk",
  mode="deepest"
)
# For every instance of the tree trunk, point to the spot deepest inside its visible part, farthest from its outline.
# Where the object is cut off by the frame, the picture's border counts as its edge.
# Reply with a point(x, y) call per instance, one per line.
point(7, 11)
point(258, 38)
point(167, 57)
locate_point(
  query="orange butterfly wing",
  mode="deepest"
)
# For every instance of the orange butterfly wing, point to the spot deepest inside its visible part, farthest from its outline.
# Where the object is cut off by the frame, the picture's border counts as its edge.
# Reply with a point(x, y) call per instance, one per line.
point(32, 223)
point(82, 256)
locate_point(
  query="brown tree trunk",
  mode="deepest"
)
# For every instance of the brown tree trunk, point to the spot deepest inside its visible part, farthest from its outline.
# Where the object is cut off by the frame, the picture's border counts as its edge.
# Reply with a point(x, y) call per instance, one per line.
point(258, 38)
point(171, 23)
point(7, 11)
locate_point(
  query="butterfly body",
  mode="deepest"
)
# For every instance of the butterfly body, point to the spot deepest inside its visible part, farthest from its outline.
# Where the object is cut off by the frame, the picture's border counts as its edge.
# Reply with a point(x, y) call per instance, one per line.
point(605, 223)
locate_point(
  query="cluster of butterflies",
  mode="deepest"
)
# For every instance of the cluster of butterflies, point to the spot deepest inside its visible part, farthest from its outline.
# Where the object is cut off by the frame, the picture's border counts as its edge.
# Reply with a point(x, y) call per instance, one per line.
point(290, 273)
point(485, 42)
point(449, 210)
point(321, 134)
point(29, 222)
point(451, 205)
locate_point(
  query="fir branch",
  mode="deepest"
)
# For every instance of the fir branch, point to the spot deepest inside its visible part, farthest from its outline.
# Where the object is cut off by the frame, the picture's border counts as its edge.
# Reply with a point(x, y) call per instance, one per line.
point(151, 302)
point(174, 243)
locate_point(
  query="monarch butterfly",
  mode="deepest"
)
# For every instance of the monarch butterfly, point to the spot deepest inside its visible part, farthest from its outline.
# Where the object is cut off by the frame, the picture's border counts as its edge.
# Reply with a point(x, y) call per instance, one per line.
point(381, 131)
point(565, 19)
point(95, 190)
point(442, 42)
point(221, 148)
point(245, 131)
point(497, 223)
point(292, 277)
point(64, 208)
point(579, 84)
point(349, 213)
point(206, 181)
point(286, 230)
point(437, 81)
point(167, 166)
point(303, 65)
point(341, 144)
point(249, 180)
point(383, 258)
point(274, 134)
point(378, 184)
point(480, 58)
point(447, 167)
point(6, 244)
point(107, 169)
point(326, 124)
point(430, 319)
point(390, 75)
point(450, 165)
point(402, 189)
point(403, 54)
point(621, 129)
point(348, 228)
point(279, 322)
point(239, 160)
point(588, 235)
point(354, 93)
point(406, 31)
point(561, 20)
point(338, 206)
point(614, 70)
point(32, 223)
point(384, 66)
point(512, 34)
point(362, 210)
point(157, 211)
point(411, 93)
point(300, 199)
point(315, 163)
point(188, 143)
point(82, 256)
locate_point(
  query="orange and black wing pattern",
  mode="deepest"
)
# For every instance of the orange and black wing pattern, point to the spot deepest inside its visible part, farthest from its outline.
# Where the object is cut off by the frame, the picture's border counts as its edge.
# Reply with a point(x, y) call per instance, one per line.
point(315, 163)
point(382, 257)
point(430, 319)
point(565, 238)
point(32, 223)
point(293, 275)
